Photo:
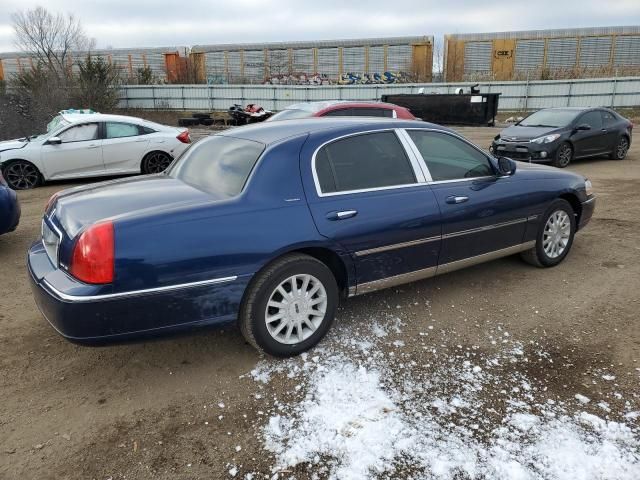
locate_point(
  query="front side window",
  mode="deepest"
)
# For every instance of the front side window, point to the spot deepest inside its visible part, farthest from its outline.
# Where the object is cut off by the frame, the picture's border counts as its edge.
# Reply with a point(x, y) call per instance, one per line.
point(372, 112)
point(449, 158)
point(593, 119)
point(219, 165)
point(119, 130)
point(80, 133)
point(373, 160)
point(341, 112)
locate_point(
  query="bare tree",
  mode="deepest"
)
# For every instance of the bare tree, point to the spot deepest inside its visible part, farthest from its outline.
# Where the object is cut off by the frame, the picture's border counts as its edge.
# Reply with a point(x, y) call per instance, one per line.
point(50, 39)
point(438, 61)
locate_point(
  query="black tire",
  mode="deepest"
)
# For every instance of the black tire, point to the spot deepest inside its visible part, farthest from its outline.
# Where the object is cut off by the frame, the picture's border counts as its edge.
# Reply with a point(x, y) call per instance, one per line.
point(188, 122)
point(21, 175)
point(621, 148)
point(201, 115)
point(253, 311)
point(156, 162)
point(537, 256)
point(563, 155)
point(206, 121)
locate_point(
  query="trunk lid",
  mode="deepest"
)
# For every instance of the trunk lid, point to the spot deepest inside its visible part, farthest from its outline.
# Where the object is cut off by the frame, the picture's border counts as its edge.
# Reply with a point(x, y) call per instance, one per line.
point(78, 207)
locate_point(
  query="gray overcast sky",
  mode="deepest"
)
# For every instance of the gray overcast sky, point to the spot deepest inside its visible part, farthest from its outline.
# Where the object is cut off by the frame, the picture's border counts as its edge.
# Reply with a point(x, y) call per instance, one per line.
point(150, 23)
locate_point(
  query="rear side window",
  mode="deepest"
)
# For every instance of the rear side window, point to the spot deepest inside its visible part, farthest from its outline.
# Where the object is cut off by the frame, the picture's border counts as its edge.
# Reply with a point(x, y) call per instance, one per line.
point(608, 118)
point(372, 112)
point(372, 160)
point(119, 130)
point(220, 165)
point(342, 112)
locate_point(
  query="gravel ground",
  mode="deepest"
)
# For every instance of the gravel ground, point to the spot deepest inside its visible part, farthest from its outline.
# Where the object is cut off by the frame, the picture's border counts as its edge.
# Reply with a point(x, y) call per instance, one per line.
point(208, 406)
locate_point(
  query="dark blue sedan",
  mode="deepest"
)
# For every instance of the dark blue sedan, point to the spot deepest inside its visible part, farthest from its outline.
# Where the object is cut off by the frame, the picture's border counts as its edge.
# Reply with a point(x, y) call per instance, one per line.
point(9, 208)
point(271, 225)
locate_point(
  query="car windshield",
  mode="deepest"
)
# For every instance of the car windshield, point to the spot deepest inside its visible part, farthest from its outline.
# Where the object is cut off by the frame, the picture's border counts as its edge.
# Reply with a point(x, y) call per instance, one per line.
point(290, 114)
point(549, 118)
point(219, 165)
point(56, 122)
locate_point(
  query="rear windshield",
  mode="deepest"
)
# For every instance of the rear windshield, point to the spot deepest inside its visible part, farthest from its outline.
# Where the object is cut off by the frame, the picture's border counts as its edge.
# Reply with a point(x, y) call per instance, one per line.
point(290, 114)
point(219, 165)
point(549, 118)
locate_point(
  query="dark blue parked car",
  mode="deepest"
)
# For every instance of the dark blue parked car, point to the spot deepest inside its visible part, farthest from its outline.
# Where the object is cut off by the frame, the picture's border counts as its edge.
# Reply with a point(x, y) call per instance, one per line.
point(9, 208)
point(271, 225)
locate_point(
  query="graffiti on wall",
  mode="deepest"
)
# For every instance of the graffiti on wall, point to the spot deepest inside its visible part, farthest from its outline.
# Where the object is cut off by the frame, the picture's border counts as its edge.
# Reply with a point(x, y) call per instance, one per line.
point(299, 79)
point(352, 78)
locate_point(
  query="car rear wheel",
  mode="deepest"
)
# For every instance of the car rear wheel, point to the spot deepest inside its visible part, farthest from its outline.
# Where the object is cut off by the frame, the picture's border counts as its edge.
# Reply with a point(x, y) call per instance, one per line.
point(555, 236)
point(22, 175)
point(621, 149)
point(563, 156)
point(289, 306)
point(156, 162)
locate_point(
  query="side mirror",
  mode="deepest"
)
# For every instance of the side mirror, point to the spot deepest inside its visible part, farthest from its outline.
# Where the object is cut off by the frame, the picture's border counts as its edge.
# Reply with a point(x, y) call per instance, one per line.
point(583, 126)
point(54, 141)
point(506, 166)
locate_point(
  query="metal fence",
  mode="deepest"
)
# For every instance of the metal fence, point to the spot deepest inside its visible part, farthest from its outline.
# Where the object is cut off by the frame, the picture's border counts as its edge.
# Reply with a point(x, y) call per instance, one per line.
point(515, 96)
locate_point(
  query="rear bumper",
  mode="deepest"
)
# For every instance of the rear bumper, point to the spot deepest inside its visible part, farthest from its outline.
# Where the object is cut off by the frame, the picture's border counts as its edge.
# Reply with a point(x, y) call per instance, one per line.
point(106, 319)
point(588, 208)
point(526, 151)
point(10, 215)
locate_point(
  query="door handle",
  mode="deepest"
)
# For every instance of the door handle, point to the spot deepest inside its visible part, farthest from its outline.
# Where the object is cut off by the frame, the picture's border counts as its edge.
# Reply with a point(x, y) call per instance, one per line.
point(93, 146)
point(456, 199)
point(342, 215)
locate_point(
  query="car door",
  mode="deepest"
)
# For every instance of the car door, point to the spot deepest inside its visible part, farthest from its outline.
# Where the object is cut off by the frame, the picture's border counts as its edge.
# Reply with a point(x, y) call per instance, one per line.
point(481, 212)
point(78, 154)
point(368, 194)
point(589, 142)
point(123, 146)
point(611, 130)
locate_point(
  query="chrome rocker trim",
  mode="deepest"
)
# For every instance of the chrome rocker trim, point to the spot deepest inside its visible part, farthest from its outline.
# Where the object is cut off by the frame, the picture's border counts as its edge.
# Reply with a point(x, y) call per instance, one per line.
point(132, 293)
point(439, 270)
point(396, 246)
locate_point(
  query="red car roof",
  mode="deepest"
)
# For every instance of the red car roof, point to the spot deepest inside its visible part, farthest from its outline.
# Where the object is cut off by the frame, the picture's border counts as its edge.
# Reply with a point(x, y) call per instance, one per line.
point(401, 112)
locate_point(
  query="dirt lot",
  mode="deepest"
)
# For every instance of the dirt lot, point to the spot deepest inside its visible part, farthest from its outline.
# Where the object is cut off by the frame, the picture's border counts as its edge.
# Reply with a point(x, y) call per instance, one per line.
point(190, 407)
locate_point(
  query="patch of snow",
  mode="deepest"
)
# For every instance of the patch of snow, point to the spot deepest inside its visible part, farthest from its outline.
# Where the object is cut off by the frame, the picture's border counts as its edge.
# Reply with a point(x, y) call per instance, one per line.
point(581, 398)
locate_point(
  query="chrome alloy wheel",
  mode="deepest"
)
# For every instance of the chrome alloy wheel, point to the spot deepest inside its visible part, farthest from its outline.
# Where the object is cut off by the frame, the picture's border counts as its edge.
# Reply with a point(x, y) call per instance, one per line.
point(556, 235)
point(621, 148)
point(296, 309)
point(564, 155)
point(21, 175)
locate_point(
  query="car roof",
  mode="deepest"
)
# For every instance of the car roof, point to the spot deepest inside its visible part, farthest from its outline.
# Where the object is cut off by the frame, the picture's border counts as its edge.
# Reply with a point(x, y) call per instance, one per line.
point(318, 106)
point(273, 132)
point(100, 117)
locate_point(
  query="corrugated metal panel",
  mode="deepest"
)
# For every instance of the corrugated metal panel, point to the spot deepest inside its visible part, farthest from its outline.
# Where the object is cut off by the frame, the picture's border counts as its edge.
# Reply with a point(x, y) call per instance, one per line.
point(235, 67)
point(214, 62)
point(529, 54)
point(376, 59)
point(561, 52)
point(627, 51)
point(278, 62)
point(155, 61)
point(303, 61)
point(254, 66)
point(595, 51)
point(399, 58)
point(353, 59)
point(328, 62)
point(11, 67)
point(477, 57)
point(538, 34)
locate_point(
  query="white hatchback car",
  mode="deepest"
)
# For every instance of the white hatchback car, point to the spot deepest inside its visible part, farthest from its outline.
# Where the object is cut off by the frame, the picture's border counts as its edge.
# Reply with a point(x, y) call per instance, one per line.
point(80, 145)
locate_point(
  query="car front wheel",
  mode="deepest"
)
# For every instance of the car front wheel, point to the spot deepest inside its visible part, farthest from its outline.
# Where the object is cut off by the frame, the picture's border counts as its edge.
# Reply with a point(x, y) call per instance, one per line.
point(555, 236)
point(156, 162)
point(563, 156)
point(21, 175)
point(289, 306)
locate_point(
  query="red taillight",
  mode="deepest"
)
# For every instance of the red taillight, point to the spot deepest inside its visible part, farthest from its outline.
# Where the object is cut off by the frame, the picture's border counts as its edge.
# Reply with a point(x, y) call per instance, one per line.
point(184, 137)
point(93, 255)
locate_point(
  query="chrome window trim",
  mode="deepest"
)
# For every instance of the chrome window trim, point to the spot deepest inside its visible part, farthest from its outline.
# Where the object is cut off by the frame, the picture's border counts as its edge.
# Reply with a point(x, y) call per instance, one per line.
point(423, 163)
point(132, 293)
point(413, 161)
point(396, 246)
